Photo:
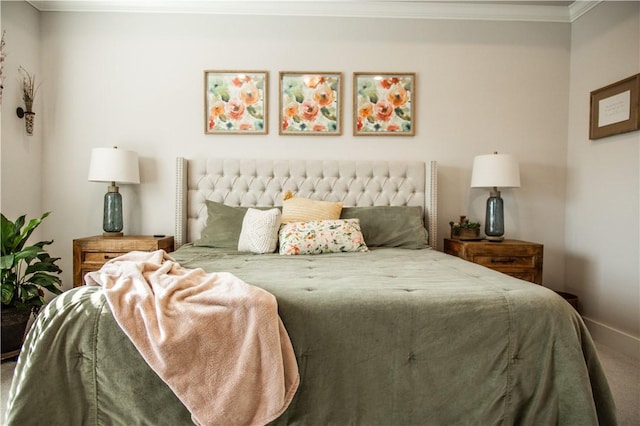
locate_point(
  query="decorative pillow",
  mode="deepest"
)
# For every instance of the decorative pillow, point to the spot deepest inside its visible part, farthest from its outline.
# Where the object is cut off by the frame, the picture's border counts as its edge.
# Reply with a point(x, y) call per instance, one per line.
point(390, 226)
point(224, 224)
point(259, 232)
point(298, 209)
point(321, 236)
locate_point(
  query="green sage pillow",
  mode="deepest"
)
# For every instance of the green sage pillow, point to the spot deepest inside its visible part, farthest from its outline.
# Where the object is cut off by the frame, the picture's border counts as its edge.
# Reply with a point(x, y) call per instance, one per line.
point(390, 226)
point(223, 227)
point(224, 224)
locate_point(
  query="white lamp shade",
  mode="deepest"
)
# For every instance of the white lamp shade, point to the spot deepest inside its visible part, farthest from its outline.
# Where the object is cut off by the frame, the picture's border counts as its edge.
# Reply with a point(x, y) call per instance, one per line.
point(114, 165)
point(495, 170)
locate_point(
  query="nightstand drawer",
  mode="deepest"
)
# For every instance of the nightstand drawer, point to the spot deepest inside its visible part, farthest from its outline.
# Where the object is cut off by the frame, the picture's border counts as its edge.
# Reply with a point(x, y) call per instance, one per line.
point(520, 259)
point(505, 261)
point(100, 257)
point(84, 272)
point(89, 254)
point(523, 275)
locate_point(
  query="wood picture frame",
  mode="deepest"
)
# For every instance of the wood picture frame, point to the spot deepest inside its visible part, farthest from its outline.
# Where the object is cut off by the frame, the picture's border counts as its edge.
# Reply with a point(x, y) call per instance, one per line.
point(310, 103)
point(235, 102)
point(614, 108)
point(384, 104)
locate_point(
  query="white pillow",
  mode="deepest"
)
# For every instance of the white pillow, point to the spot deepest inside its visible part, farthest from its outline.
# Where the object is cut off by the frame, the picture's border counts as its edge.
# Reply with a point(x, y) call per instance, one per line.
point(259, 233)
point(321, 236)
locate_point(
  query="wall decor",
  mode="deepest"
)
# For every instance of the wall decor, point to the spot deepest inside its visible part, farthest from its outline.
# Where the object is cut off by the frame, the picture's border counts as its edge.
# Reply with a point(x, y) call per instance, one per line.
point(29, 90)
point(235, 102)
point(310, 103)
point(614, 108)
point(384, 104)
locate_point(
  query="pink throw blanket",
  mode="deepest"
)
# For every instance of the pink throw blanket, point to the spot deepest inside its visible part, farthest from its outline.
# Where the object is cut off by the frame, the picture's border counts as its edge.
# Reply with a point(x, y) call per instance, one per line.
point(216, 341)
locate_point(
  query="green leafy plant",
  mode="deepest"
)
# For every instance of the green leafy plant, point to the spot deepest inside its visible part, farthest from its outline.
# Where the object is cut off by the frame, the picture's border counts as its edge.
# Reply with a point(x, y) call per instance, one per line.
point(27, 270)
point(469, 225)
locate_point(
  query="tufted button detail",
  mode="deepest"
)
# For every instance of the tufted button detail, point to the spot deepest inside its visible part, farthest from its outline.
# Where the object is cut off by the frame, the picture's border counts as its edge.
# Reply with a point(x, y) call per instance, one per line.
point(262, 182)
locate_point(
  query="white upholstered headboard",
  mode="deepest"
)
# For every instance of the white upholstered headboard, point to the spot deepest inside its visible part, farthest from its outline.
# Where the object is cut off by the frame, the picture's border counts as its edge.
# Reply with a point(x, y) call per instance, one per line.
point(245, 182)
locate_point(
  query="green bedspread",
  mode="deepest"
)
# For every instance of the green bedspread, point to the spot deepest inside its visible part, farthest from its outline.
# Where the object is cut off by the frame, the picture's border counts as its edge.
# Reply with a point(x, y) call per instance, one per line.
point(388, 337)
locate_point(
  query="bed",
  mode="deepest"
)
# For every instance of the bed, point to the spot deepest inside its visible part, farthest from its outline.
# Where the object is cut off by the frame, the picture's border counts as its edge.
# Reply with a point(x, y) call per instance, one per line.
point(397, 334)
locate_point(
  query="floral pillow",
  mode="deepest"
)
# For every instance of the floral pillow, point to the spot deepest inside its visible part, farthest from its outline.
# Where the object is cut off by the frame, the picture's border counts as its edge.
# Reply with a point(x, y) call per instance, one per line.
point(321, 236)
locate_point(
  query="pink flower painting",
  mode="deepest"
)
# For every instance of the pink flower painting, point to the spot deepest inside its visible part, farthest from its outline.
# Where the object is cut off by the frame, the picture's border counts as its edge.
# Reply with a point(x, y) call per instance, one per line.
point(235, 102)
point(384, 104)
point(310, 103)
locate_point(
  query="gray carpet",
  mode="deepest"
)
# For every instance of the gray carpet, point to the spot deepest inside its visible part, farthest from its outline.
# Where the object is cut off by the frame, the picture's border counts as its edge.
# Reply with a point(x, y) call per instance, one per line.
point(623, 373)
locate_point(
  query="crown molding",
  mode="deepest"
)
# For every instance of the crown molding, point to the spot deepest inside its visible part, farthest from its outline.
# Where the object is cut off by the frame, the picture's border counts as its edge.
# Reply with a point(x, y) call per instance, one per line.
point(425, 9)
point(579, 8)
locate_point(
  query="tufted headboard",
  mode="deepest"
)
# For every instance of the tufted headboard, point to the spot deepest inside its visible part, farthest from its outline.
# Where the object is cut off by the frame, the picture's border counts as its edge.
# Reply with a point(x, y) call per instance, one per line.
point(249, 183)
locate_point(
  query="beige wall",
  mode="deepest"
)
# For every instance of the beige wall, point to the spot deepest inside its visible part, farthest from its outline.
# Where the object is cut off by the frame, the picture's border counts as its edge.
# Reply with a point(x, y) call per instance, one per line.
point(603, 181)
point(136, 80)
point(21, 155)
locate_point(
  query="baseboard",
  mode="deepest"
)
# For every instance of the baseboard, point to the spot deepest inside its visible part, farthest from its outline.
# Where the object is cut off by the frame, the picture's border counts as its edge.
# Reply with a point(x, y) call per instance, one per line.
point(615, 339)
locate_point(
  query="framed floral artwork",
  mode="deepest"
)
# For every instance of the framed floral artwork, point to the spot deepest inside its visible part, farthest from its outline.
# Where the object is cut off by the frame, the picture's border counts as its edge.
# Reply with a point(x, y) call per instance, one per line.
point(310, 103)
point(235, 102)
point(384, 104)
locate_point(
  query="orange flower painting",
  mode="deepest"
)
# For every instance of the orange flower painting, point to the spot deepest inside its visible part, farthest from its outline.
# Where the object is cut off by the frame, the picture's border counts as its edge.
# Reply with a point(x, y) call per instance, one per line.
point(235, 102)
point(310, 103)
point(384, 104)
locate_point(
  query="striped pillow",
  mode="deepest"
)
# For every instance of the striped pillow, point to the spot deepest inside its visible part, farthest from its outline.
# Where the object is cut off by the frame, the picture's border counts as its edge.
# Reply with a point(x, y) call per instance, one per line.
point(298, 209)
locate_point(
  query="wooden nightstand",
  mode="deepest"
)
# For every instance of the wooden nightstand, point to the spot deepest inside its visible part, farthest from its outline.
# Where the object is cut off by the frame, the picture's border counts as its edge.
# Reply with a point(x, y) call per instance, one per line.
point(89, 254)
point(520, 259)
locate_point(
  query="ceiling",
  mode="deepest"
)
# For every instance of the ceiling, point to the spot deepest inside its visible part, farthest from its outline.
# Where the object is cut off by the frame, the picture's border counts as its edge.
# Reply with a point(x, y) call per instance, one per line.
point(534, 11)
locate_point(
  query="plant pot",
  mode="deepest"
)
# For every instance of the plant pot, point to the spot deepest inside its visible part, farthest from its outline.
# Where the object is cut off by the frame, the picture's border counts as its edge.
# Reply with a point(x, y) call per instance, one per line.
point(14, 324)
point(469, 234)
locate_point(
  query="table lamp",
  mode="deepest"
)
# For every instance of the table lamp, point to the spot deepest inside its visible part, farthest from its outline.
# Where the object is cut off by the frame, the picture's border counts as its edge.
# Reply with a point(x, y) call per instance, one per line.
point(493, 171)
point(115, 166)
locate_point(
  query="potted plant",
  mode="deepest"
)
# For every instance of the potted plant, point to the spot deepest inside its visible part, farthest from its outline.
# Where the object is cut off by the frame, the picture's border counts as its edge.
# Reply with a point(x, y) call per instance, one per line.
point(27, 270)
point(464, 229)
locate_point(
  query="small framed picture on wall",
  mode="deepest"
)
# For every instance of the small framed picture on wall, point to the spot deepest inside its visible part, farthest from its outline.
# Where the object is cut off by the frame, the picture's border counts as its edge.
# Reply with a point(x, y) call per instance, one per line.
point(384, 104)
point(235, 102)
point(615, 108)
point(310, 103)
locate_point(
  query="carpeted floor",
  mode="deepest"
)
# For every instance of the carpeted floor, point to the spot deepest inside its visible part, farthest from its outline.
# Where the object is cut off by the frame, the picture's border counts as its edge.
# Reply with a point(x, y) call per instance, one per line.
point(622, 372)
